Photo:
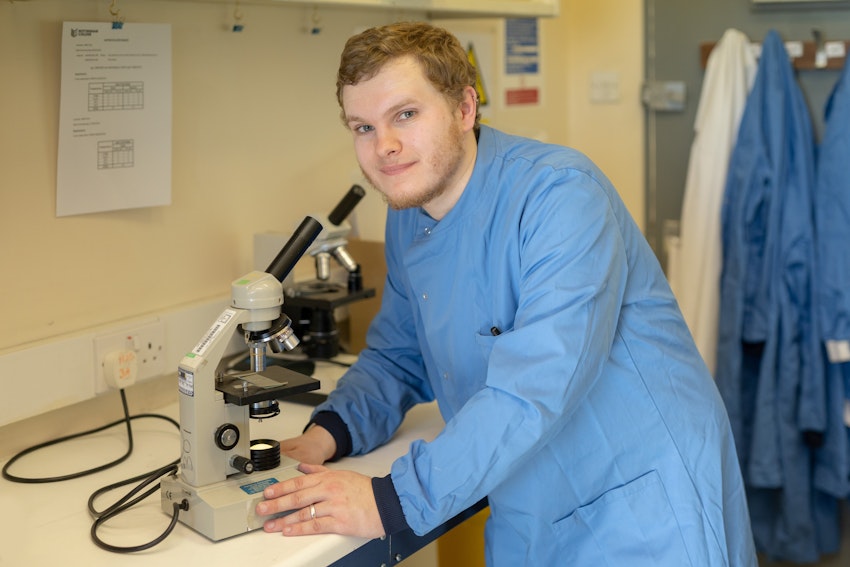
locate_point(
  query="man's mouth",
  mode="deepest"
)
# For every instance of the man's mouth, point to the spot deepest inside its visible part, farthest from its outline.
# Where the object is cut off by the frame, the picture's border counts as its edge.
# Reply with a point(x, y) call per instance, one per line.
point(396, 169)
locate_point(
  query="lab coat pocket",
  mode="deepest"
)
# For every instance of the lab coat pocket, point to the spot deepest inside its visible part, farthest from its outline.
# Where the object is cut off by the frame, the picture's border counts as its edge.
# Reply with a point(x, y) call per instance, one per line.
point(485, 343)
point(632, 525)
point(478, 362)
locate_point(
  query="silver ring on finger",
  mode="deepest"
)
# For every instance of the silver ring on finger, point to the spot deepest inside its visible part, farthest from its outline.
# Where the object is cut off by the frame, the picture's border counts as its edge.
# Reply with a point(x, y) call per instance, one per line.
point(312, 511)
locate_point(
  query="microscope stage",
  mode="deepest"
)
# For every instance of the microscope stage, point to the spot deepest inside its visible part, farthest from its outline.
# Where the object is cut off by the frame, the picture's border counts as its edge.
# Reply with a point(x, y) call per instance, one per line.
point(275, 382)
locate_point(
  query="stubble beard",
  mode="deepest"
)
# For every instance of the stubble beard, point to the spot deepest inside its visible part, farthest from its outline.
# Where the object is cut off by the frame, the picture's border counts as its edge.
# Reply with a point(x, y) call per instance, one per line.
point(445, 164)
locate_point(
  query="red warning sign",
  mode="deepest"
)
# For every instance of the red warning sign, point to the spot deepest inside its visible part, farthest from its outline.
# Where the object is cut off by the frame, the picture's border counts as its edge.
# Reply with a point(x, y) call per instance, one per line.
point(522, 96)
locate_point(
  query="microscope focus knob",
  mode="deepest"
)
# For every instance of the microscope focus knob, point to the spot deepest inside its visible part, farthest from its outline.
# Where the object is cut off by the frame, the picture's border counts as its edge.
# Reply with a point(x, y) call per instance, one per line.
point(242, 464)
point(226, 436)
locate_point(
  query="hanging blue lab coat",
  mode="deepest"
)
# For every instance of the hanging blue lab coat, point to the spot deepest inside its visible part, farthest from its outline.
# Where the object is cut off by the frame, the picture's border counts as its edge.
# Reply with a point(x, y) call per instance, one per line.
point(589, 422)
point(769, 365)
point(832, 224)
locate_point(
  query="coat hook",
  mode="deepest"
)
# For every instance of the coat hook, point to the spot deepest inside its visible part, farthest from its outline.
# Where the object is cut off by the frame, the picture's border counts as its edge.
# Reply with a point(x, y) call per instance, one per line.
point(820, 50)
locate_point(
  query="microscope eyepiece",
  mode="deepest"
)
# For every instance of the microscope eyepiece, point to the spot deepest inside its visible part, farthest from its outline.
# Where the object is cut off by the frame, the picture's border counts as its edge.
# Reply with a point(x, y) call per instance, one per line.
point(294, 248)
point(346, 204)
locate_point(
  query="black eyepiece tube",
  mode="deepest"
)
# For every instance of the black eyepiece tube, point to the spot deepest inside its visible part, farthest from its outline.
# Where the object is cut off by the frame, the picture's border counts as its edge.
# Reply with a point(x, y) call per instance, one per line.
point(294, 248)
point(347, 204)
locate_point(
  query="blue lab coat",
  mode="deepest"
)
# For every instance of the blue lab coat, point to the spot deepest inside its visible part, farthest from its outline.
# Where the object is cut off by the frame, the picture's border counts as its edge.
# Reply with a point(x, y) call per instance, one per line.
point(832, 216)
point(591, 422)
point(769, 363)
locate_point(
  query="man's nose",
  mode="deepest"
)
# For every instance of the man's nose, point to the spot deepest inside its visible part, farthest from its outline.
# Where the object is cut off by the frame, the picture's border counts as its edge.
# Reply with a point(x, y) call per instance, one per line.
point(388, 143)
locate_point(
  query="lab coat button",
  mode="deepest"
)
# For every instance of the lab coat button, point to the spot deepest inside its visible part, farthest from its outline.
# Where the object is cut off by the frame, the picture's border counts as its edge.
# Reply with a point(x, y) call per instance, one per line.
point(427, 231)
point(424, 297)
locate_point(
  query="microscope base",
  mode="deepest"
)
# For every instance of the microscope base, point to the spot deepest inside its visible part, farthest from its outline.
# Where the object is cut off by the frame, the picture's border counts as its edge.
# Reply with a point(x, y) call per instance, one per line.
point(224, 509)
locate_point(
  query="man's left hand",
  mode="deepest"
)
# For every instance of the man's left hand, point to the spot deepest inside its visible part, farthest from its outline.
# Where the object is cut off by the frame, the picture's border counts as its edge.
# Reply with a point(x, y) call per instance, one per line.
point(323, 501)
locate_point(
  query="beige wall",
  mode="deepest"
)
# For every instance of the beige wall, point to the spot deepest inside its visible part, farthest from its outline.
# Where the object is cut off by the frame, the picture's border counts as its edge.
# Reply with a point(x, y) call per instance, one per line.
point(256, 145)
point(607, 36)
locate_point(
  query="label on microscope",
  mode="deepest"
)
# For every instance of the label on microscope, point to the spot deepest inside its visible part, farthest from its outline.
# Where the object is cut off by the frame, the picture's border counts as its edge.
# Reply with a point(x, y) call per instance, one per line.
point(214, 331)
point(186, 382)
point(258, 487)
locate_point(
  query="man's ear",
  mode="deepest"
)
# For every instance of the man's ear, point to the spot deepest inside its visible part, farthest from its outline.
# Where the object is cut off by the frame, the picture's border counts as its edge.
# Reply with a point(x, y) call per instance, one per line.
point(469, 107)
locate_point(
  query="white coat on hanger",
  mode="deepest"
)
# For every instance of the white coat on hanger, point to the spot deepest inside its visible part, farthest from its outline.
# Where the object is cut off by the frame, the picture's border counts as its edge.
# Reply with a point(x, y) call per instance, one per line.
point(695, 275)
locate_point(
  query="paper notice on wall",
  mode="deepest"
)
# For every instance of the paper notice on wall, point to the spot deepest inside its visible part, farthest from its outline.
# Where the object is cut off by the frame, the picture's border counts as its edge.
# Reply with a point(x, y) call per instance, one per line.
point(522, 62)
point(114, 118)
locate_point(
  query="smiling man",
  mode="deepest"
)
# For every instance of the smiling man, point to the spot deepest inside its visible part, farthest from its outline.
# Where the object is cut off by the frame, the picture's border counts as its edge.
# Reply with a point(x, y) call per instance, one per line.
point(414, 146)
point(524, 299)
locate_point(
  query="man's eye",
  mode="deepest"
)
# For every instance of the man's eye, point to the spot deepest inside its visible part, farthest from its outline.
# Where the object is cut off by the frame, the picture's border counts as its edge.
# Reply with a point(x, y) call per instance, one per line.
point(407, 114)
point(363, 128)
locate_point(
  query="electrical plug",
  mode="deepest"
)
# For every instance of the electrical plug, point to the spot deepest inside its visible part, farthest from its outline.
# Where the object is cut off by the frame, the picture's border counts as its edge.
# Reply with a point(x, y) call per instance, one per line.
point(120, 368)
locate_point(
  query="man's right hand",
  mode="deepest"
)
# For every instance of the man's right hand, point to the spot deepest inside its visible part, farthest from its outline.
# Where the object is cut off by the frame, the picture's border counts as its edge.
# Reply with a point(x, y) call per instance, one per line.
point(314, 446)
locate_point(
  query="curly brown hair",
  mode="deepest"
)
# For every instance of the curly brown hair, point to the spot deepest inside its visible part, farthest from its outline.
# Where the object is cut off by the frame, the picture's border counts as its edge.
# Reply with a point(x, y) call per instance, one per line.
point(443, 58)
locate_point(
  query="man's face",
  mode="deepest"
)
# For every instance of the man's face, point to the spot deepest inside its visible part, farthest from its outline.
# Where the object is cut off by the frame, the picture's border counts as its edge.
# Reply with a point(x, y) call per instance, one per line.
point(413, 145)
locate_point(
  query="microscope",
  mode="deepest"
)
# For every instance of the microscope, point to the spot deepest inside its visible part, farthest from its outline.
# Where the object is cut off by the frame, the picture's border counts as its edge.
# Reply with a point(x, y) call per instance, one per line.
point(312, 303)
point(222, 472)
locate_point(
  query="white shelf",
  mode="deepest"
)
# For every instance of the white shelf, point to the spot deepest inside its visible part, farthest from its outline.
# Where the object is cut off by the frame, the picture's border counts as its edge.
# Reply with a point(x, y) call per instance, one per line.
point(434, 8)
point(469, 8)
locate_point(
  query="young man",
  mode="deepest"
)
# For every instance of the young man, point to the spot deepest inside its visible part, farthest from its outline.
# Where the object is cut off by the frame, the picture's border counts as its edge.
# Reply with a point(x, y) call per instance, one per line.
point(524, 299)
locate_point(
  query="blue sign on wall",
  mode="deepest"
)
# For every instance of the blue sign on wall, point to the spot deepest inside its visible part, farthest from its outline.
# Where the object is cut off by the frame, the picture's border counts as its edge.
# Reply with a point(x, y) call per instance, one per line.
point(522, 46)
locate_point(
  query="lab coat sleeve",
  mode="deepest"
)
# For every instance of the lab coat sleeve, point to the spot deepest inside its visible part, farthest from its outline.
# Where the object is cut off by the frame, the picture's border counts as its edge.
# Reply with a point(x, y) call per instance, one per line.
point(388, 378)
point(572, 278)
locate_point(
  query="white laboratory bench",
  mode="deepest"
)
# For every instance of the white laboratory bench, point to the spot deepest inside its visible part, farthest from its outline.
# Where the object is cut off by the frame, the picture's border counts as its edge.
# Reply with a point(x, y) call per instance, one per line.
point(49, 524)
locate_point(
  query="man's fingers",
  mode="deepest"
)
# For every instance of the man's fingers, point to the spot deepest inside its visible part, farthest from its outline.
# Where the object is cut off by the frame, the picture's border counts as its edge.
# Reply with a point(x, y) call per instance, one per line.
point(294, 484)
point(292, 494)
point(296, 502)
point(307, 520)
point(328, 501)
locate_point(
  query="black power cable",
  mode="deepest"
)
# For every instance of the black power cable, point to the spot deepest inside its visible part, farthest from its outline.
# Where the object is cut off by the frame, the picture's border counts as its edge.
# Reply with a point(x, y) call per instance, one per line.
point(126, 419)
point(123, 503)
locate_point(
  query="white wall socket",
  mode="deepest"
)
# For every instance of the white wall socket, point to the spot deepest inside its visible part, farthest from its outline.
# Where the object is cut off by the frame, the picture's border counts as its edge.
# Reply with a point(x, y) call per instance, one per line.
point(146, 339)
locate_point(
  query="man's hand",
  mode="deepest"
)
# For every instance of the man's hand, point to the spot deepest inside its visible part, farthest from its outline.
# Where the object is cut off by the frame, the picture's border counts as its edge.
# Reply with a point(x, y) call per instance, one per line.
point(314, 446)
point(323, 501)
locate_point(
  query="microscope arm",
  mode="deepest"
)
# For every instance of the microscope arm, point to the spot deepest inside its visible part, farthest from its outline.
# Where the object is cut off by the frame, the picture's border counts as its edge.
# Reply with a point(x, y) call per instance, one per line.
point(256, 301)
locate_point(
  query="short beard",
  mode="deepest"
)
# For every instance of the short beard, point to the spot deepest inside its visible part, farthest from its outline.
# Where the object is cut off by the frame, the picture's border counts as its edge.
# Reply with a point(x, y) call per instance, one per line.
point(445, 164)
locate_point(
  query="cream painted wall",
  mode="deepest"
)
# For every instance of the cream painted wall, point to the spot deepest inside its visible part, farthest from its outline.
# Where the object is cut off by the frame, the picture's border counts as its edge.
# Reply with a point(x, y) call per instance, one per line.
point(607, 36)
point(256, 145)
point(588, 37)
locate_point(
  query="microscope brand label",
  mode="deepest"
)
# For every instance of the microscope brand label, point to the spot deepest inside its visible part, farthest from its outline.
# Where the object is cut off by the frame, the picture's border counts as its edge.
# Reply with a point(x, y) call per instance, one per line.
point(186, 382)
point(258, 487)
point(214, 331)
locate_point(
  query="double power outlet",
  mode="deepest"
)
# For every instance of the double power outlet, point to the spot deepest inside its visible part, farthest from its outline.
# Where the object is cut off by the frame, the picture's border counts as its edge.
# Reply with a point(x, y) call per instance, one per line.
point(128, 355)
